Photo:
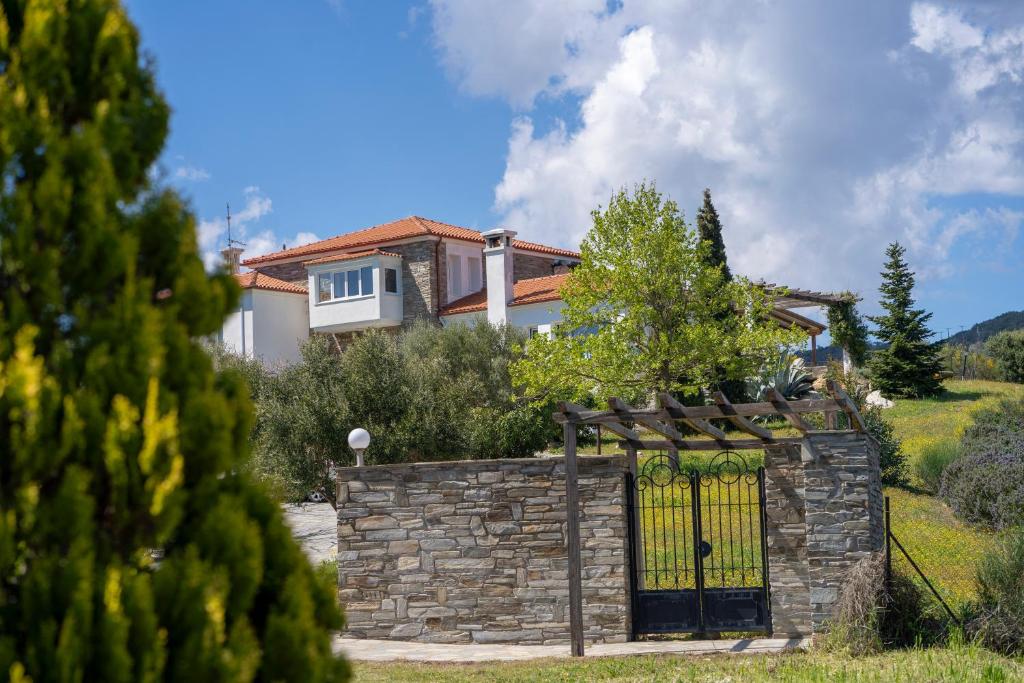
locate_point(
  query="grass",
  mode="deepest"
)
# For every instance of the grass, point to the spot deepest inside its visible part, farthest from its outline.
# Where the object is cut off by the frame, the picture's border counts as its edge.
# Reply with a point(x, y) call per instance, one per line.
point(937, 664)
point(945, 548)
point(930, 422)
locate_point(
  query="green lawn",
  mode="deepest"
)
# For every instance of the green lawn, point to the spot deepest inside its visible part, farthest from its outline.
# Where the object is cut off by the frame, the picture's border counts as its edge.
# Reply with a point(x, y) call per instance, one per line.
point(928, 422)
point(936, 664)
point(944, 548)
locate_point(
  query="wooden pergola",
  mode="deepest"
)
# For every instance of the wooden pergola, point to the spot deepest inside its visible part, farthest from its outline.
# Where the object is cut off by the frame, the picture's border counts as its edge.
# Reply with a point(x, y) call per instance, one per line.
point(658, 428)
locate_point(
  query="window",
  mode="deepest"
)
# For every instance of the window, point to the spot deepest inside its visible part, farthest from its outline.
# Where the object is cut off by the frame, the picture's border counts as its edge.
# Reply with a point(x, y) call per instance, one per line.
point(533, 331)
point(475, 273)
point(324, 287)
point(366, 277)
point(454, 277)
point(346, 284)
point(391, 280)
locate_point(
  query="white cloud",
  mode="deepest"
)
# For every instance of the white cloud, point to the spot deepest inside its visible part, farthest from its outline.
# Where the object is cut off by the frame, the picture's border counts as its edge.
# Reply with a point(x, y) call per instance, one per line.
point(824, 130)
point(213, 231)
point(191, 173)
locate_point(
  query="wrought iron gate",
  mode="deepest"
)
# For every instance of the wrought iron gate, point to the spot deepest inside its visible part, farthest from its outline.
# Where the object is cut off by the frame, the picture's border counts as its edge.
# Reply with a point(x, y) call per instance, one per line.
point(697, 543)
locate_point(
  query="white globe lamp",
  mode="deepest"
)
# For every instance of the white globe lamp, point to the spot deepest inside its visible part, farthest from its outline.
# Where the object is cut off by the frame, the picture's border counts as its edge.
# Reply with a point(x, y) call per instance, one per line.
point(359, 441)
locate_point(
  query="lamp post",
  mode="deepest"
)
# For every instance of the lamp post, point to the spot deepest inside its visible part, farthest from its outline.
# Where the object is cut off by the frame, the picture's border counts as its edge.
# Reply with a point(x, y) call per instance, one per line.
point(359, 441)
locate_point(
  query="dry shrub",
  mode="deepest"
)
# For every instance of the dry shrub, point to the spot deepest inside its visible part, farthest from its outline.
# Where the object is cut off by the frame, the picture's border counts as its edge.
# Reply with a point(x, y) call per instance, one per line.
point(867, 620)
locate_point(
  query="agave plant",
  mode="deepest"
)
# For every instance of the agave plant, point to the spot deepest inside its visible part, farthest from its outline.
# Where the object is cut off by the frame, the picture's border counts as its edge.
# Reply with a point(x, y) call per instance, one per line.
point(787, 376)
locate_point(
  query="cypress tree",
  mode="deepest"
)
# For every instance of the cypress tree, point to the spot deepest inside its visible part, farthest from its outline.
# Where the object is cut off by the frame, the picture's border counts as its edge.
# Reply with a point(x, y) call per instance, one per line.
point(909, 365)
point(709, 229)
point(133, 546)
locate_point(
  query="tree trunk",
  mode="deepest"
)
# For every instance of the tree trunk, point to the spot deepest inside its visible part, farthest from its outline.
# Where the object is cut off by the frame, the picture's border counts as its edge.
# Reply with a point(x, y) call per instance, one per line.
point(847, 361)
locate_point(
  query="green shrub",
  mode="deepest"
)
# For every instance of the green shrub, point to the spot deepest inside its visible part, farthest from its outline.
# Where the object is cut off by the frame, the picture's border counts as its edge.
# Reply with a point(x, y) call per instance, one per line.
point(892, 460)
point(997, 429)
point(117, 435)
point(986, 484)
point(999, 615)
point(985, 489)
point(427, 394)
point(1007, 348)
point(933, 461)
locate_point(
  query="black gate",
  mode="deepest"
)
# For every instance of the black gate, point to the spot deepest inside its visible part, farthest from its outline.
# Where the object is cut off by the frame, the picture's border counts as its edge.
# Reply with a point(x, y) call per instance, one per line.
point(697, 543)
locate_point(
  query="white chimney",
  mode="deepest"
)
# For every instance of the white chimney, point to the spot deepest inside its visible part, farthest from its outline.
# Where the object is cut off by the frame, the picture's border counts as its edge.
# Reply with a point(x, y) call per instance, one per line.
point(232, 258)
point(498, 254)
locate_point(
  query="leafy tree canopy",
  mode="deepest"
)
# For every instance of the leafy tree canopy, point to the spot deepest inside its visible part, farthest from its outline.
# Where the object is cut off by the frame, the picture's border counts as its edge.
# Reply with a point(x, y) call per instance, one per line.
point(910, 364)
point(429, 393)
point(117, 439)
point(645, 311)
point(1007, 348)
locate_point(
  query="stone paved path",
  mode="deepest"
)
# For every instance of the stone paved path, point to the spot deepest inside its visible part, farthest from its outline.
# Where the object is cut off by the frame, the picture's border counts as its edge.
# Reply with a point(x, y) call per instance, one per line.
point(315, 527)
point(365, 650)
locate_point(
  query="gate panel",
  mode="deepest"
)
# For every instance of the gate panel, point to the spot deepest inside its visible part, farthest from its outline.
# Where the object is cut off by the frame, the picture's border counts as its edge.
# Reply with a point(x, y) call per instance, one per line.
point(698, 547)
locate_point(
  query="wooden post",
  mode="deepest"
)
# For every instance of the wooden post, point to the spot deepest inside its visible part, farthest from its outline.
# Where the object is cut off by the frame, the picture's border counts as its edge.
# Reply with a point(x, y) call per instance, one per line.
point(572, 517)
point(599, 439)
point(814, 349)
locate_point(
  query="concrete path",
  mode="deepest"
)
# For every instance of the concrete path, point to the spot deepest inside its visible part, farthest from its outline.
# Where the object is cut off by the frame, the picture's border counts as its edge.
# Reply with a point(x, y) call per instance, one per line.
point(315, 527)
point(361, 650)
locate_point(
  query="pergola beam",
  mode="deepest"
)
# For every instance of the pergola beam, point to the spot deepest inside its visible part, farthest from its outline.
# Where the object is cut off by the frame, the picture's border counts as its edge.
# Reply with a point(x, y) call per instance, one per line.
point(680, 412)
point(738, 421)
point(847, 405)
point(783, 407)
point(709, 444)
point(811, 405)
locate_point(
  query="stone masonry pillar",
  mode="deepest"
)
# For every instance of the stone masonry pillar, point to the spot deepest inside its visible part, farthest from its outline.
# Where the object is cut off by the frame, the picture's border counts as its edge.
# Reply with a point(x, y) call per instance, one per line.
point(824, 513)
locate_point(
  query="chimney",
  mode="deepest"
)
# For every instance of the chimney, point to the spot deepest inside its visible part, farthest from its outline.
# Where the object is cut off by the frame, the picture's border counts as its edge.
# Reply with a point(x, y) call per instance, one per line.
point(498, 267)
point(232, 258)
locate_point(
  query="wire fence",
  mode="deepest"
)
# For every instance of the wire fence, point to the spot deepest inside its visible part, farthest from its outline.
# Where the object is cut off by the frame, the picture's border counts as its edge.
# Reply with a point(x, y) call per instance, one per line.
point(940, 559)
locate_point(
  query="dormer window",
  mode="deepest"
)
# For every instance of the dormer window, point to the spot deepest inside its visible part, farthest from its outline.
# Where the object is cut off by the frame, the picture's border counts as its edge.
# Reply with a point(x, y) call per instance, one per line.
point(345, 284)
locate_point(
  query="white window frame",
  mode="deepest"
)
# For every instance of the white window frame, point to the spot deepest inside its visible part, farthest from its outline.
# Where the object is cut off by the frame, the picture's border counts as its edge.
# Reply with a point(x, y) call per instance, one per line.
point(345, 273)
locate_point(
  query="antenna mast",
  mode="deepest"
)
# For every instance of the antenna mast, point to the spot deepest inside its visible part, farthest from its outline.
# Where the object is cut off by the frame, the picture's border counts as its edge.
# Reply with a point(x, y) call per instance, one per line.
point(232, 242)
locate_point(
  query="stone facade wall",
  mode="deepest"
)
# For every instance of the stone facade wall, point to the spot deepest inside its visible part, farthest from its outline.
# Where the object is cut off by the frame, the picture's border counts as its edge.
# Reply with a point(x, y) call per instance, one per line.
point(475, 551)
point(844, 512)
point(289, 272)
point(824, 514)
point(787, 541)
point(528, 266)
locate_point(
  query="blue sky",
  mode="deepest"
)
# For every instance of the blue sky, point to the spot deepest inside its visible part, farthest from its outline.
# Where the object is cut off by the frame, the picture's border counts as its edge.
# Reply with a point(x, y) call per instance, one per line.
point(824, 131)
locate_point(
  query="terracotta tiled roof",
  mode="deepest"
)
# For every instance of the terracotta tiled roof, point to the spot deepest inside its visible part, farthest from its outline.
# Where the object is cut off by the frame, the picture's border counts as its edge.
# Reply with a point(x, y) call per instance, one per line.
point(533, 291)
point(349, 257)
point(413, 226)
point(257, 280)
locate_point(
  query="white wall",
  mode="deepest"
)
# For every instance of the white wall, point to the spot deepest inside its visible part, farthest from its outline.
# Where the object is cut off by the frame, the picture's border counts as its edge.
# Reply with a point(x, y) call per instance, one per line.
point(236, 332)
point(540, 315)
point(280, 326)
point(380, 309)
point(268, 325)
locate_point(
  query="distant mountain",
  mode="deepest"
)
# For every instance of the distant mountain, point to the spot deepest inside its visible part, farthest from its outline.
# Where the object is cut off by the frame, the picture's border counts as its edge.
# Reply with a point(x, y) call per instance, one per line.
point(1011, 320)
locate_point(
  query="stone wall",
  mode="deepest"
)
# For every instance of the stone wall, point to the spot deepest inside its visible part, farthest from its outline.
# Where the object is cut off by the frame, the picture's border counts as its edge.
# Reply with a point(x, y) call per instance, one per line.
point(294, 272)
point(528, 266)
point(475, 551)
point(824, 514)
point(844, 512)
point(787, 541)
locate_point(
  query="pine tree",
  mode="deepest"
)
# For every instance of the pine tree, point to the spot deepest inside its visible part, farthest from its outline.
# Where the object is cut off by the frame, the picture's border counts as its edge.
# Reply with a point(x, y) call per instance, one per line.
point(119, 444)
point(709, 229)
point(910, 364)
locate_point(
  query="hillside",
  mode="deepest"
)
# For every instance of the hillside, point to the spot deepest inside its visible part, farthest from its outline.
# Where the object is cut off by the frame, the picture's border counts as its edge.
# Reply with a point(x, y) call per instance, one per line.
point(1011, 320)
